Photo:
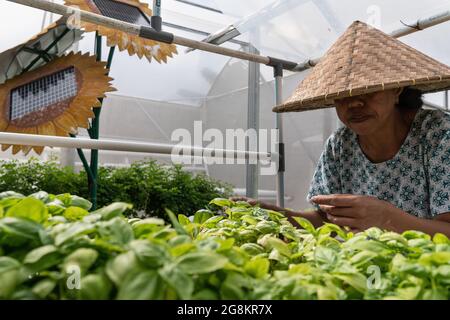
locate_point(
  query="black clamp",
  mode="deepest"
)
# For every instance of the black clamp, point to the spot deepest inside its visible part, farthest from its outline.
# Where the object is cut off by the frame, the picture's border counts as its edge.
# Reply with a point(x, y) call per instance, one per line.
point(282, 158)
point(156, 23)
point(279, 65)
point(416, 26)
point(152, 34)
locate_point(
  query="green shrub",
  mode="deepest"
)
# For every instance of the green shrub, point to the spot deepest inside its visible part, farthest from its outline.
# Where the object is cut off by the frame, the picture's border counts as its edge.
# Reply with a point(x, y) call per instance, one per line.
point(150, 187)
point(33, 176)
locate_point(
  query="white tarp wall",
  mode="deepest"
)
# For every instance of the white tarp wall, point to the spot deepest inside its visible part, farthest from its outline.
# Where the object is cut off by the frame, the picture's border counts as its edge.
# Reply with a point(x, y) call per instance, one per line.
point(305, 133)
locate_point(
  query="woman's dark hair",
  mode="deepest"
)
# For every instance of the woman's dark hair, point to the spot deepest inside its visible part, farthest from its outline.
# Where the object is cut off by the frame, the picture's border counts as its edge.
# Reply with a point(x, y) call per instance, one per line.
point(410, 99)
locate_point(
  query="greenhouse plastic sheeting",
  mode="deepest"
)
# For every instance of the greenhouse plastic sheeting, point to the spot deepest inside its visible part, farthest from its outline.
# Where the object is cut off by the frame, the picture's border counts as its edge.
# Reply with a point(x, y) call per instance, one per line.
point(299, 29)
point(290, 29)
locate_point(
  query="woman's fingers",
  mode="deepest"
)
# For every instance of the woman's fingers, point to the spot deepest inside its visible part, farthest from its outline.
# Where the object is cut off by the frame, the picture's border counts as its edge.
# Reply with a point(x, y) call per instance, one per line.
point(248, 200)
point(293, 214)
point(340, 212)
point(238, 198)
point(343, 221)
point(336, 200)
point(326, 208)
point(292, 220)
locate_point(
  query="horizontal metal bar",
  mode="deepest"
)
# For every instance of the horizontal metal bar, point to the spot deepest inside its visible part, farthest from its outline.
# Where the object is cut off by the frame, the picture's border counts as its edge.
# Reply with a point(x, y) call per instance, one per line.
point(226, 34)
point(139, 30)
point(203, 33)
point(220, 50)
point(121, 145)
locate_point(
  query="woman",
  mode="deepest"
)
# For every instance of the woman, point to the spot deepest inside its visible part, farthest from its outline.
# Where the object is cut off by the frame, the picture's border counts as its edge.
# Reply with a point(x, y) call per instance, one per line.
point(389, 167)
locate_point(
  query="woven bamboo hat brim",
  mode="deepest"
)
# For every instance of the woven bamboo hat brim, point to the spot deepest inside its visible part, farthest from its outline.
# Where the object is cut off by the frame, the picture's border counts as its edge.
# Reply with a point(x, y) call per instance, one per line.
point(365, 60)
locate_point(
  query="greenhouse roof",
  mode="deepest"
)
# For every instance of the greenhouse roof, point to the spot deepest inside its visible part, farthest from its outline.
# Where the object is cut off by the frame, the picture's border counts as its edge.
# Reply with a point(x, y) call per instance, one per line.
point(289, 29)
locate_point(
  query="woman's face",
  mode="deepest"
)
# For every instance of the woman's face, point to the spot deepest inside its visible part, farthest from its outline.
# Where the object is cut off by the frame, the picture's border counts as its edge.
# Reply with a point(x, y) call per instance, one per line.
point(366, 114)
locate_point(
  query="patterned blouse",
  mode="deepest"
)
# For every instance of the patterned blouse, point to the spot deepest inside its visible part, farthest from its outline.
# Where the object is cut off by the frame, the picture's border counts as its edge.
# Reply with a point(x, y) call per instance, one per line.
point(416, 180)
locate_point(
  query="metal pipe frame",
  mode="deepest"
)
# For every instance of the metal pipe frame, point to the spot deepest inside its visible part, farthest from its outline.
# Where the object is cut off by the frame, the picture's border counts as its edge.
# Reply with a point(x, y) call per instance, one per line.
point(199, 32)
point(123, 145)
point(253, 111)
point(149, 33)
point(166, 37)
point(278, 74)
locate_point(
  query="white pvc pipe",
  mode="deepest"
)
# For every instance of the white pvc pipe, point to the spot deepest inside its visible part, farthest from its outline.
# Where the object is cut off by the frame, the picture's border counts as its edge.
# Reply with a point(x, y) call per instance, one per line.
point(421, 24)
point(121, 145)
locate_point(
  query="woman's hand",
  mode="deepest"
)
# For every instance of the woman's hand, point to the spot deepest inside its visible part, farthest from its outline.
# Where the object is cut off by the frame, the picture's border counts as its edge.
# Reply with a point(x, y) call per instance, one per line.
point(314, 217)
point(358, 212)
point(254, 202)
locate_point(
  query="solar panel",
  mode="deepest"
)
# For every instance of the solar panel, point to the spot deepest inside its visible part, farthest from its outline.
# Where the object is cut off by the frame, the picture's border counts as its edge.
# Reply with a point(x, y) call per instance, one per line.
point(42, 93)
point(122, 11)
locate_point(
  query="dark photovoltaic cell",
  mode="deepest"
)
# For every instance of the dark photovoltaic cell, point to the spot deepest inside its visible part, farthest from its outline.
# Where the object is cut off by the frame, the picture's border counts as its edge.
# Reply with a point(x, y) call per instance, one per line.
point(122, 11)
point(44, 92)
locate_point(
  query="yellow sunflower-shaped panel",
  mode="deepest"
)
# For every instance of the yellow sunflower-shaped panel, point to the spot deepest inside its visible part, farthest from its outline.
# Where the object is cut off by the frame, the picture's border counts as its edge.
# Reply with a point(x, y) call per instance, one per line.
point(131, 11)
point(55, 99)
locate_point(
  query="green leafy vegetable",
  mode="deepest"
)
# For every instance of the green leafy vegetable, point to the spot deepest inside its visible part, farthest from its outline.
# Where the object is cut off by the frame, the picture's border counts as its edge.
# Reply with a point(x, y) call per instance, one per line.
point(51, 247)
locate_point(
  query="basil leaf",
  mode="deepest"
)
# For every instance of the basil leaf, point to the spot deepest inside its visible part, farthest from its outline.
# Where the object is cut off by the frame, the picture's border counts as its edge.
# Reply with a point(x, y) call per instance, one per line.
point(41, 196)
point(123, 264)
point(8, 263)
point(221, 202)
point(113, 210)
point(43, 288)
point(95, 287)
point(305, 224)
point(257, 267)
point(74, 213)
point(20, 229)
point(42, 258)
point(201, 262)
point(74, 230)
point(29, 208)
point(145, 285)
point(79, 202)
point(178, 280)
point(83, 257)
point(202, 215)
point(116, 231)
point(151, 255)
point(11, 195)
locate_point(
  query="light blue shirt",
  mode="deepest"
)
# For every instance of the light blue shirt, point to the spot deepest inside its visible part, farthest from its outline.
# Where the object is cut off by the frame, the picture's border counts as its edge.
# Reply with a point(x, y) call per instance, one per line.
point(416, 180)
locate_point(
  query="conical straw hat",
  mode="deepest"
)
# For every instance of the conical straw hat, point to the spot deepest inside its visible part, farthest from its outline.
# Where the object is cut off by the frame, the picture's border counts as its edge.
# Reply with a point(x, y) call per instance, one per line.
point(365, 60)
